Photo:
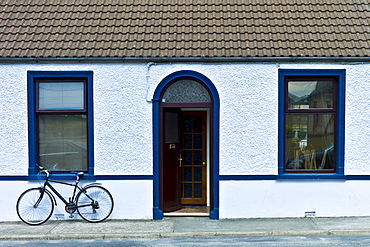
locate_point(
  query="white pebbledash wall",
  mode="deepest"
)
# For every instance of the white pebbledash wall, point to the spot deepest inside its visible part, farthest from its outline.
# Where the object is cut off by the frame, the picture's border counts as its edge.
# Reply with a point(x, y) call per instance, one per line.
point(248, 138)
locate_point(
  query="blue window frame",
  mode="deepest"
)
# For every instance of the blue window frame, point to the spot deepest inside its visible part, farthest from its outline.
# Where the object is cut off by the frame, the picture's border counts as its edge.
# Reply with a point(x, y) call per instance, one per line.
point(60, 111)
point(311, 123)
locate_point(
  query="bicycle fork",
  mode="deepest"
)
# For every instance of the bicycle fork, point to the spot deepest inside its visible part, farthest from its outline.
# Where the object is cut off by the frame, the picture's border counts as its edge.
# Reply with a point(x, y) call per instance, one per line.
point(40, 198)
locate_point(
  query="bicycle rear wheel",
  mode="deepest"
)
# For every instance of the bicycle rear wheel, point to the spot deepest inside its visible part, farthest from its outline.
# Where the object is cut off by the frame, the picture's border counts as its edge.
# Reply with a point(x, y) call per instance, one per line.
point(94, 203)
point(35, 207)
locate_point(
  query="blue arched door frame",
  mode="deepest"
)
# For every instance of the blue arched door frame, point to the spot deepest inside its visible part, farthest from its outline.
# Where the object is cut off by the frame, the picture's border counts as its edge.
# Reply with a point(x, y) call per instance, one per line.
point(157, 212)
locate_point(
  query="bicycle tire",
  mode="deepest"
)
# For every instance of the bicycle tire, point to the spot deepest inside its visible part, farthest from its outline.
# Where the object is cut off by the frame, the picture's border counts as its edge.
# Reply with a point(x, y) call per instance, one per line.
point(34, 215)
point(103, 199)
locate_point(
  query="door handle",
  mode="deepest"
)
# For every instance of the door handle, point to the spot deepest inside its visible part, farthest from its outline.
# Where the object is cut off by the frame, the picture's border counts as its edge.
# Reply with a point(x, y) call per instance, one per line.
point(204, 163)
point(180, 159)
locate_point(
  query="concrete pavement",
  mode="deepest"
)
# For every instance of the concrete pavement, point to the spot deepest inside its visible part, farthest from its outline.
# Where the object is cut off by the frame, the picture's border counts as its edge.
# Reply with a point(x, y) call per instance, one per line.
point(184, 227)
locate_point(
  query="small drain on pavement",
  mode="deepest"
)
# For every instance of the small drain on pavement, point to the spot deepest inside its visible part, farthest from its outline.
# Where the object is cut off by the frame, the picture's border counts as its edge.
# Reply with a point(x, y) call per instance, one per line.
point(59, 216)
point(310, 214)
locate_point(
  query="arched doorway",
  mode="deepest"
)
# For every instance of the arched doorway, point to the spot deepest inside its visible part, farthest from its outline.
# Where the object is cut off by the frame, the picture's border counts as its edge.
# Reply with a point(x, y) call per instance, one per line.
point(185, 144)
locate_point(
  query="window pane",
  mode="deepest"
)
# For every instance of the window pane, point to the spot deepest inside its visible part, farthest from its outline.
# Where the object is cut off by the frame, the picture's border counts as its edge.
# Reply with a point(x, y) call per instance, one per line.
point(197, 141)
point(188, 158)
point(188, 174)
point(63, 142)
point(198, 160)
point(171, 127)
point(198, 174)
point(188, 190)
point(188, 141)
point(309, 141)
point(61, 95)
point(197, 190)
point(188, 124)
point(197, 124)
point(310, 95)
point(186, 91)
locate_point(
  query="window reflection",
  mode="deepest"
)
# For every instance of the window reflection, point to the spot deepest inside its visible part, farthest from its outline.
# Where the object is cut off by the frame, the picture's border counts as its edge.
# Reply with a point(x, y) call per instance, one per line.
point(310, 94)
point(310, 141)
point(63, 142)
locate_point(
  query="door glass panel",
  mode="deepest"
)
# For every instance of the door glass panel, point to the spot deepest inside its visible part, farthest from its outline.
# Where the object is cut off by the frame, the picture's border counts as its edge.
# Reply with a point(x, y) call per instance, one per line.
point(188, 176)
point(188, 125)
point(186, 91)
point(197, 124)
point(197, 141)
point(198, 174)
point(188, 141)
point(187, 158)
point(198, 158)
point(188, 191)
point(197, 190)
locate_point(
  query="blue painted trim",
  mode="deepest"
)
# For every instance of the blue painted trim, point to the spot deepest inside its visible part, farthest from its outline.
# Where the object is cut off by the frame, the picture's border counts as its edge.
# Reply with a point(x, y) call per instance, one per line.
point(32, 157)
point(221, 178)
point(281, 127)
point(293, 177)
point(32, 135)
point(73, 177)
point(340, 123)
point(247, 177)
point(214, 214)
point(157, 213)
point(60, 177)
point(357, 177)
point(123, 177)
point(14, 178)
point(283, 176)
point(321, 176)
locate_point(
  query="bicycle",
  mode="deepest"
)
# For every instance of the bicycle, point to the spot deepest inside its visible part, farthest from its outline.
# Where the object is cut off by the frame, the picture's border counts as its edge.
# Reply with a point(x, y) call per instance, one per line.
point(92, 202)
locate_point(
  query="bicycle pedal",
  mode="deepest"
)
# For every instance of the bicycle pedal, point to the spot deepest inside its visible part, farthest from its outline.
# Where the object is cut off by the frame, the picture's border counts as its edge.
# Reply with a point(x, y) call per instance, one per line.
point(71, 216)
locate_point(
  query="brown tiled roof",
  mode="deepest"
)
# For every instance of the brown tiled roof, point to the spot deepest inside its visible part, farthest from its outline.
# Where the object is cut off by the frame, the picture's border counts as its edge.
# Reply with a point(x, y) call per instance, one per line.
point(184, 28)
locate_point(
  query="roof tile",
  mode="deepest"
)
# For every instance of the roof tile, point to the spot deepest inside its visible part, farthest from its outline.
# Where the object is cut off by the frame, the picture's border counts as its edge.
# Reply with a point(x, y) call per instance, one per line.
point(173, 28)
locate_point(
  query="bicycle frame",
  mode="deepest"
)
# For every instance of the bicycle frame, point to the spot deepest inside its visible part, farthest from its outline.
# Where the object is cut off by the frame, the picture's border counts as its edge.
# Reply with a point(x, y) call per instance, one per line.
point(49, 185)
point(71, 199)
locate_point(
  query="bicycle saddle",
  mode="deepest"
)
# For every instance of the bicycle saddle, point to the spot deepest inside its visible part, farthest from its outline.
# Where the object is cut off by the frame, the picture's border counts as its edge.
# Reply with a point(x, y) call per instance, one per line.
point(80, 174)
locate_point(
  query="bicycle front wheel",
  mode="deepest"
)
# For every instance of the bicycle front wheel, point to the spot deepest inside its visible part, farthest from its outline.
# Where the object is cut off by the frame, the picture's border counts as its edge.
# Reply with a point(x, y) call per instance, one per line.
point(94, 203)
point(34, 206)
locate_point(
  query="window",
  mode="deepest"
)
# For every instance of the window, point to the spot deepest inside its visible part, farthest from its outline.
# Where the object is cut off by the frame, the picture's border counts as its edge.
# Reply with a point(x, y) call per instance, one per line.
point(186, 90)
point(311, 121)
point(60, 121)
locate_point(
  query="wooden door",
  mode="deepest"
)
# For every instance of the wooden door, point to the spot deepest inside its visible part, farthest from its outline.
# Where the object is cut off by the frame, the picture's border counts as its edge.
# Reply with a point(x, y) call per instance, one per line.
point(171, 172)
point(193, 157)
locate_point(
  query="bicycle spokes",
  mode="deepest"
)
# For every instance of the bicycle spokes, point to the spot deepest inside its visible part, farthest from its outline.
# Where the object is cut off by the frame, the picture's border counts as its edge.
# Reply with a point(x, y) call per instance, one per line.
point(94, 204)
point(34, 206)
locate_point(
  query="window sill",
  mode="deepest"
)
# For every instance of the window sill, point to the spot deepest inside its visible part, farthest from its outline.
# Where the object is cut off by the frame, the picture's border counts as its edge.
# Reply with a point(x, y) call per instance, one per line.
point(61, 177)
point(310, 176)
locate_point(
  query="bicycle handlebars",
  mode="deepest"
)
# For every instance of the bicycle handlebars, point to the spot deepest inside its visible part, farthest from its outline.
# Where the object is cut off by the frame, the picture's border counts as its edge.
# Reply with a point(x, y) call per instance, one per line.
point(42, 169)
point(47, 172)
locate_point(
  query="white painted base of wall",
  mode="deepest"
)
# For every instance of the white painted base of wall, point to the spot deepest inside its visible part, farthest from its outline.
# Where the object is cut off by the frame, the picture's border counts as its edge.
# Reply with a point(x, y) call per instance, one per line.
point(292, 198)
point(238, 199)
point(133, 199)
